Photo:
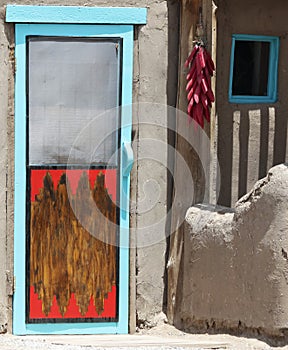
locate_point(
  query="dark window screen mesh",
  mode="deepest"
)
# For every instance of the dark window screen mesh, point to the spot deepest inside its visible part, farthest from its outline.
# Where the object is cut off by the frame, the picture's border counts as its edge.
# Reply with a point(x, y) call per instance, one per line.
point(71, 83)
point(251, 68)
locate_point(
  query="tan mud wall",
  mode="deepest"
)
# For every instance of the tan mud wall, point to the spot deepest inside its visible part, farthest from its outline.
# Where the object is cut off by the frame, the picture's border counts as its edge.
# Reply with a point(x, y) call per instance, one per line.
point(235, 275)
point(251, 137)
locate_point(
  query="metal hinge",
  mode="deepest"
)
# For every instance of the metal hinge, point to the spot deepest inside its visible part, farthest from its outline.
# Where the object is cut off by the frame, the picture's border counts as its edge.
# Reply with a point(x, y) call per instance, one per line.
point(10, 283)
point(12, 58)
point(14, 285)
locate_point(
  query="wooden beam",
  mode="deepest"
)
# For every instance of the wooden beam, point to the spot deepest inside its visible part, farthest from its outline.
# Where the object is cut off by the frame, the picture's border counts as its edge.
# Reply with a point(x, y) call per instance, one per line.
point(189, 18)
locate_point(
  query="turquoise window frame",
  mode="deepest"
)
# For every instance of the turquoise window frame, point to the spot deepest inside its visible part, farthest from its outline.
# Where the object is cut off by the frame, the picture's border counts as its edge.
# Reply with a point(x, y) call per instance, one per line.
point(272, 74)
point(90, 28)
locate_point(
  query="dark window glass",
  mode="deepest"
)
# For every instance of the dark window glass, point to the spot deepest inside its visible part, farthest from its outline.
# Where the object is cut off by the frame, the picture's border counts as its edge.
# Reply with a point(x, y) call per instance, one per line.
point(251, 68)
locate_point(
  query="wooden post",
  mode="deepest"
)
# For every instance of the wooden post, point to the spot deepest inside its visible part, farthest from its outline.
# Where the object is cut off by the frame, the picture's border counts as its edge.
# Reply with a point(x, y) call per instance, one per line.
point(189, 17)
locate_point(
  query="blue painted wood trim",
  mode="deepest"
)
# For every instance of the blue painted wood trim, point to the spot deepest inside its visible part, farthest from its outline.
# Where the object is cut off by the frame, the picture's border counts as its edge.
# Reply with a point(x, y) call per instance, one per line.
point(272, 74)
point(71, 14)
point(230, 96)
point(21, 31)
point(20, 187)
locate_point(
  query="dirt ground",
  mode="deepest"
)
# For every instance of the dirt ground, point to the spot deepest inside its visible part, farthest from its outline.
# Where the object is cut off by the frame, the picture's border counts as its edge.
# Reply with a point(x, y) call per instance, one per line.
point(228, 341)
point(160, 337)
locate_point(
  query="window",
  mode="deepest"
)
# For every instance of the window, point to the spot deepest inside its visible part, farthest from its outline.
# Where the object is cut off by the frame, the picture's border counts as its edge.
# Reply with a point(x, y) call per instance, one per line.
point(253, 69)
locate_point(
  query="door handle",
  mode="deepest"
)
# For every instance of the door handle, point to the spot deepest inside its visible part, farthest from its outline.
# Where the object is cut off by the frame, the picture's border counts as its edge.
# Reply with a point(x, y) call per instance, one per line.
point(127, 158)
point(127, 164)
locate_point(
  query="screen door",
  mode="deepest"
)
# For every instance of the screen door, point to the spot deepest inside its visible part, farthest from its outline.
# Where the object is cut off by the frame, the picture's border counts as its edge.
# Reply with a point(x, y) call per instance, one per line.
point(71, 264)
point(71, 272)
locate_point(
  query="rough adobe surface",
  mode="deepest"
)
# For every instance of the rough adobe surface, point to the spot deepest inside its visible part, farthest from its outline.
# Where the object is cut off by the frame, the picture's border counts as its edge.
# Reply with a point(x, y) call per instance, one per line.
point(251, 137)
point(236, 263)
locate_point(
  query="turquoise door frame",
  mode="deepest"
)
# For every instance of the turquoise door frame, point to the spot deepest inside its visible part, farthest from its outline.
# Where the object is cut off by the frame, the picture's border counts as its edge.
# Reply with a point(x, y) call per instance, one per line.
point(76, 16)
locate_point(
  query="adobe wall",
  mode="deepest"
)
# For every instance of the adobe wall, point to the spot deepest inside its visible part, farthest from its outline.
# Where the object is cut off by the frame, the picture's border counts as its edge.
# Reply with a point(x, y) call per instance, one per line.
point(235, 275)
point(251, 137)
point(155, 80)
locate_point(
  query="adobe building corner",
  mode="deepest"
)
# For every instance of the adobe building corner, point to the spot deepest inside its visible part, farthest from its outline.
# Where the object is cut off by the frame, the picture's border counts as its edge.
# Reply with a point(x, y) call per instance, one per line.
point(235, 275)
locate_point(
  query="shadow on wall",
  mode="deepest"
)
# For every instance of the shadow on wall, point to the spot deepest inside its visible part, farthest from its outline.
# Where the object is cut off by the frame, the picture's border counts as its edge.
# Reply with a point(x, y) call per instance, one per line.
point(257, 141)
point(172, 83)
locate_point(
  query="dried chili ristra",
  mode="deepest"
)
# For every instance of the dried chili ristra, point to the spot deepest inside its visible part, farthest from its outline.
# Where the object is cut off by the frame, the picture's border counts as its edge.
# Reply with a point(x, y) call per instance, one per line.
point(199, 91)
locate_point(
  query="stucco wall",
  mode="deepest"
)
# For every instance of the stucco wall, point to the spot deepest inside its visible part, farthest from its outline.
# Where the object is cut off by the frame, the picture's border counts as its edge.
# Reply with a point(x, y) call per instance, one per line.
point(155, 65)
point(7, 168)
point(251, 137)
point(235, 263)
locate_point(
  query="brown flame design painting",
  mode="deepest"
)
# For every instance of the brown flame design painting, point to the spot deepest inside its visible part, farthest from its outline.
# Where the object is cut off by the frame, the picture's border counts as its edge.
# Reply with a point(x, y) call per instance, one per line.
point(72, 267)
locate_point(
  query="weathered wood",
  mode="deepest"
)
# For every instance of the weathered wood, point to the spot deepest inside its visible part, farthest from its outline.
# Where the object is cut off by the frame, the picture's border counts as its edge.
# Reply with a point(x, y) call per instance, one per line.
point(189, 19)
point(64, 257)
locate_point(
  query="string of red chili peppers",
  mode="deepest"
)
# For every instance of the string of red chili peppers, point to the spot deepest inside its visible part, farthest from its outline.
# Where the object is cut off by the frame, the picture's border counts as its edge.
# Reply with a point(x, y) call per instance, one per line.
point(199, 92)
